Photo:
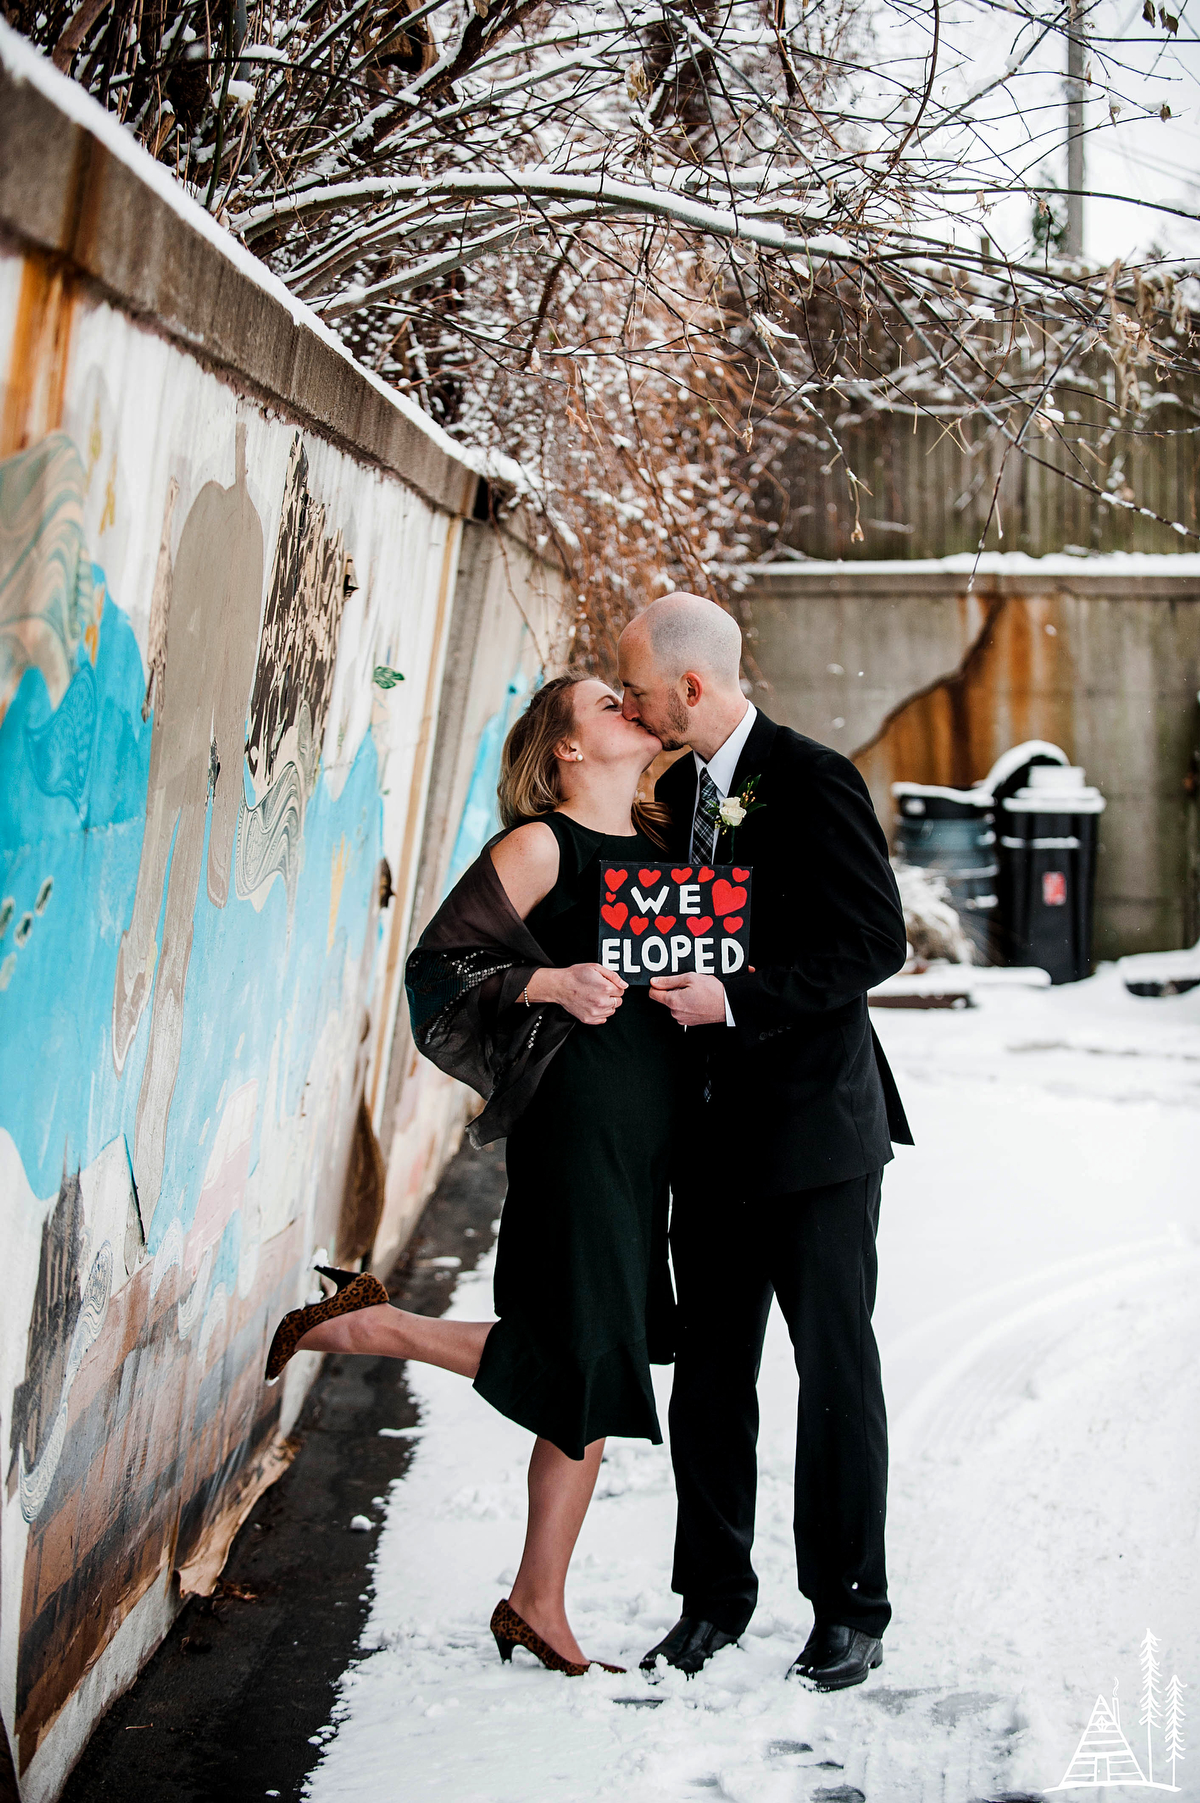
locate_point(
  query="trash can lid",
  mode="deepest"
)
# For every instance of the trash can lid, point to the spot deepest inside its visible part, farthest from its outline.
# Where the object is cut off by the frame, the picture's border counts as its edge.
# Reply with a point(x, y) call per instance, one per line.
point(1055, 776)
point(1045, 800)
point(967, 798)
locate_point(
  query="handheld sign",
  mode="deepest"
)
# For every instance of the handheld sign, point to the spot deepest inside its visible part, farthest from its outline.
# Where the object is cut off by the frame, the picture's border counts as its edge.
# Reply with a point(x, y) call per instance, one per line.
point(674, 920)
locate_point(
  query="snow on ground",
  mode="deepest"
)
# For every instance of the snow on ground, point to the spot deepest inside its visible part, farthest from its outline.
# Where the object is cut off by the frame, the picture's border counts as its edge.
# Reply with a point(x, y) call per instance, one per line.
point(1040, 1255)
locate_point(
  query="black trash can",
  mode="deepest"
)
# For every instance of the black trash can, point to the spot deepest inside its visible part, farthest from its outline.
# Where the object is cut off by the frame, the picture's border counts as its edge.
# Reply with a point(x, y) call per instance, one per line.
point(1048, 834)
point(953, 832)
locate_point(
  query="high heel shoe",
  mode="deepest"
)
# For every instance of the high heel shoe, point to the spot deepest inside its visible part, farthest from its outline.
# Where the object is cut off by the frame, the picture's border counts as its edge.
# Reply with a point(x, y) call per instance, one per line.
point(353, 1290)
point(510, 1631)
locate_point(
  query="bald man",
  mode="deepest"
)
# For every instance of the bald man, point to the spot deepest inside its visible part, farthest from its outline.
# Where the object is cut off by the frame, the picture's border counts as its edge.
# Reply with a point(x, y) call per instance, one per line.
point(791, 1116)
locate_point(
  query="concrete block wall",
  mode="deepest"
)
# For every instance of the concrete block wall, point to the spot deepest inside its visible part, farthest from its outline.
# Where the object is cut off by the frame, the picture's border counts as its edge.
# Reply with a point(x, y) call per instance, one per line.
point(221, 547)
point(921, 674)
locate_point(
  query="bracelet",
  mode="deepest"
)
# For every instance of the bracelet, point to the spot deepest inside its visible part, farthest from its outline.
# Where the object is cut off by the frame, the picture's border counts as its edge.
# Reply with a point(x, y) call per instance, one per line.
point(525, 993)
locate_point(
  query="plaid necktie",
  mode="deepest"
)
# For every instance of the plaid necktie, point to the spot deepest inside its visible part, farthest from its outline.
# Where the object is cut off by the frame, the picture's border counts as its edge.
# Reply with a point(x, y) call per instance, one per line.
point(704, 826)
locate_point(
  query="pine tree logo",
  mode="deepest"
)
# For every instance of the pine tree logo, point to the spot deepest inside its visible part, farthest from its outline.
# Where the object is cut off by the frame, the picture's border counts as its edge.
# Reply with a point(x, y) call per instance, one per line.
point(1174, 1725)
point(1104, 1755)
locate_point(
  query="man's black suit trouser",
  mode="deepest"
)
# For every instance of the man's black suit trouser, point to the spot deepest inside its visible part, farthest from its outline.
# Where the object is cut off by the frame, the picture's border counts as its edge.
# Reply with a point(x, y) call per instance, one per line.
point(815, 1250)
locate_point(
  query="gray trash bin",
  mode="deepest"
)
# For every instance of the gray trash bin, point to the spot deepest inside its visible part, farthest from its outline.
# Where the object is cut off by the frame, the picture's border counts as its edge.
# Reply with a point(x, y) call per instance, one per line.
point(1047, 885)
point(953, 832)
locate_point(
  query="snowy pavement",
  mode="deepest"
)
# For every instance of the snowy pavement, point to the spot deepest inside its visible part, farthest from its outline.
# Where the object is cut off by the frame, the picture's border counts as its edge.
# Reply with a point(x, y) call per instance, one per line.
point(1039, 1266)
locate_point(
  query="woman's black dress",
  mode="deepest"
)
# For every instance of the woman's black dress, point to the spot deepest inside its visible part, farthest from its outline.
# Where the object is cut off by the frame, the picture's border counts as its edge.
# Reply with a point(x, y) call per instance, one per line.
point(582, 1287)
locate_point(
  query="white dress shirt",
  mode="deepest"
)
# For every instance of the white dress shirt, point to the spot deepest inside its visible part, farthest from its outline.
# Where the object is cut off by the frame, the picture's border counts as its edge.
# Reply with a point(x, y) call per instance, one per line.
point(721, 767)
point(723, 762)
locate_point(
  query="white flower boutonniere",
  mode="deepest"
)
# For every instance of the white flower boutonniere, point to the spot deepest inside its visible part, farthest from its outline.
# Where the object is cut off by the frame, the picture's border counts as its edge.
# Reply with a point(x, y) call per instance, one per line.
point(729, 814)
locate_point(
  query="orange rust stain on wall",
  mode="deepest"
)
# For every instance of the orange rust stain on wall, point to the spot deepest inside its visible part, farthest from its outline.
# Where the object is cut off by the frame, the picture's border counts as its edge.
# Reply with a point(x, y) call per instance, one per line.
point(1015, 683)
point(41, 342)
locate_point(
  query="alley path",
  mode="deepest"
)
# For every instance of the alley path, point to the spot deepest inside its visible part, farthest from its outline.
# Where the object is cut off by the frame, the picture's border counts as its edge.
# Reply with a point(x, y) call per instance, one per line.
point(1040, 1252)
point(226, 1707)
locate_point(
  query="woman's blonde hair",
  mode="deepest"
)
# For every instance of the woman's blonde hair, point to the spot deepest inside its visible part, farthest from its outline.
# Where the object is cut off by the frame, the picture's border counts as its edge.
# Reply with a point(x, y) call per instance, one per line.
point(529, 767)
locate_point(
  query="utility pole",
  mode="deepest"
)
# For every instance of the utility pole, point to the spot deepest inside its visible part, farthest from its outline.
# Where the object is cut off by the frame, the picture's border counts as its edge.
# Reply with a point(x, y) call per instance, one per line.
point(1075, 87)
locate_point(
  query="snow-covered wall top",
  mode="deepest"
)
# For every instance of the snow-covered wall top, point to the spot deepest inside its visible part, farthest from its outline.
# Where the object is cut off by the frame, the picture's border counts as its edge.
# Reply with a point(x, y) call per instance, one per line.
point(75, 183)
point(988, 569)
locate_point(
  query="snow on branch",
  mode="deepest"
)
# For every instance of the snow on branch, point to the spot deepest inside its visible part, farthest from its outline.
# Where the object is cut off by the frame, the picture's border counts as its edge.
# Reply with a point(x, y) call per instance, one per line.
point(607, 195)
point(694, 264)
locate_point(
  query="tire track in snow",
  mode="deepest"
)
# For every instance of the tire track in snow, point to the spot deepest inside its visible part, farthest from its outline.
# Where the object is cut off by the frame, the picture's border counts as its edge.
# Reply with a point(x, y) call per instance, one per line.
point(1005, 1522)
point(976, 1371)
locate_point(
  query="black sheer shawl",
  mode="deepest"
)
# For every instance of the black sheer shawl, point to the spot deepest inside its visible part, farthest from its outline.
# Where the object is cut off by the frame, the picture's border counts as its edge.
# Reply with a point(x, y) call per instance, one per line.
point(464, 979)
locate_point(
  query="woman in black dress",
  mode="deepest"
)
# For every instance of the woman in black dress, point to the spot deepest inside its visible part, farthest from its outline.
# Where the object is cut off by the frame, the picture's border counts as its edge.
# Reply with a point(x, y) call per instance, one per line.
point(581, 1073)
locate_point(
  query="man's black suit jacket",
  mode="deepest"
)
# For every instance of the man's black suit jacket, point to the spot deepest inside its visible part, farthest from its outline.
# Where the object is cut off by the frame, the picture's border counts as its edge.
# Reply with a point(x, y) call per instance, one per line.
point(800, 1093)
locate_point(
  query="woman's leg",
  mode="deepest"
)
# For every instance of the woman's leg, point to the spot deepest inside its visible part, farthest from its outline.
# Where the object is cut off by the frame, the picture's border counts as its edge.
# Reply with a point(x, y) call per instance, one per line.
point(393, 1333)
point(560, 1490)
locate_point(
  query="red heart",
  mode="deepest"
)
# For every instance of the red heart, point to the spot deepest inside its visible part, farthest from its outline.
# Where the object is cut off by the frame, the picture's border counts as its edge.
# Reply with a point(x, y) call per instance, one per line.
point(705, 875)
point(610, 897)
point(732, 923)
point(696, 927)
point(646, 877)
point(614, 878)
point(638, 923)
point(739, 876)
point(663, 923)
point(616, 917)
point(725, 898)
point(681, 876)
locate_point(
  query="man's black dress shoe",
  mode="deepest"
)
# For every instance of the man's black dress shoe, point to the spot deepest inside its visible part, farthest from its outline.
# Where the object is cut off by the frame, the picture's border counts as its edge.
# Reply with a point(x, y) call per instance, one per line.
point(689, 1646)
point(834, 1657)
point(814, 1649)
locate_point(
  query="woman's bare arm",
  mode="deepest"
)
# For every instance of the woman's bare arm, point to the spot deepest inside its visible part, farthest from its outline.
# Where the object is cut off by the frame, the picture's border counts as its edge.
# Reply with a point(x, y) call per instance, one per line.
point(526, 862)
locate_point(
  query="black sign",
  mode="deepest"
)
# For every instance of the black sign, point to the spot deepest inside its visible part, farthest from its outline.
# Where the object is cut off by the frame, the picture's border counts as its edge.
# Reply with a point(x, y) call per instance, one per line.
point(670, 921)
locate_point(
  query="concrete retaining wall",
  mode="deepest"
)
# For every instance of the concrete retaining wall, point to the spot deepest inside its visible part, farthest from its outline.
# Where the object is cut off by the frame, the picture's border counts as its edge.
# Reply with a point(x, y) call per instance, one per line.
point(921, 676)
point(221, 546)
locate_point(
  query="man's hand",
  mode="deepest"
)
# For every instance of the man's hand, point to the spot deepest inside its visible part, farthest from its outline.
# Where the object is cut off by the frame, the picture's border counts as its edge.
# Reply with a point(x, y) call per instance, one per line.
point(693, 1001)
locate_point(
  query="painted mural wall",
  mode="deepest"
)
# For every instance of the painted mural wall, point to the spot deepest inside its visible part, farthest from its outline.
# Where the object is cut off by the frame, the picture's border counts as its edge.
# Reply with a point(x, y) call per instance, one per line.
point(505, 632)
point(206, 754)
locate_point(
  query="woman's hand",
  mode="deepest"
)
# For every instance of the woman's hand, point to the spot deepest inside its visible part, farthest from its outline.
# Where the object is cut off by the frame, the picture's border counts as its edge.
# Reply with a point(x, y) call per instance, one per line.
point(588, 991)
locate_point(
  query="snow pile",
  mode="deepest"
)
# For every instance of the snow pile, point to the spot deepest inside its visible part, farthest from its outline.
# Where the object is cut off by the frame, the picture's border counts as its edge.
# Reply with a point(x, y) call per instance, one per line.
point(1150, 973)
point(1039, 1256)
point(931, 923)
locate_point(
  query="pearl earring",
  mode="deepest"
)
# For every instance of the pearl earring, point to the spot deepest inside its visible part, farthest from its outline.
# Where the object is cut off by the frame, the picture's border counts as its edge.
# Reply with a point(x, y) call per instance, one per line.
point(579, 757)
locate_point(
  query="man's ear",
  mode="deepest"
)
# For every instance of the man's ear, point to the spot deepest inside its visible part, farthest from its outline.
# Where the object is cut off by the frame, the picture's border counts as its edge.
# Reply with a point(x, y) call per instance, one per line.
point(693, 688)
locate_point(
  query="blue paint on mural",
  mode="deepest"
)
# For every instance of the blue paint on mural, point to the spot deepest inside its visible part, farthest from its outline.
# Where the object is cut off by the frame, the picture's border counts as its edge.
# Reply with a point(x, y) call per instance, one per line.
point(225, 1265)
point(57, 1086)
point(481, 815)
point(256, 980)
point(71, 828)
point(60, 751)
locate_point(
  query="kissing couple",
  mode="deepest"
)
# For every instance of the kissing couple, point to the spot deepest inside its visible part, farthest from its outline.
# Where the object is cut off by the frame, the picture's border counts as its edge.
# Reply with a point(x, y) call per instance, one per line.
point(746, 1152)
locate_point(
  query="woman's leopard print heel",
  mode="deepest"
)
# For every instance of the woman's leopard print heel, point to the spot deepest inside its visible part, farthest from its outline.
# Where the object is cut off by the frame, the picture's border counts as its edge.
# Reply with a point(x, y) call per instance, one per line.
point(354, 1290)
point(511, 1631)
